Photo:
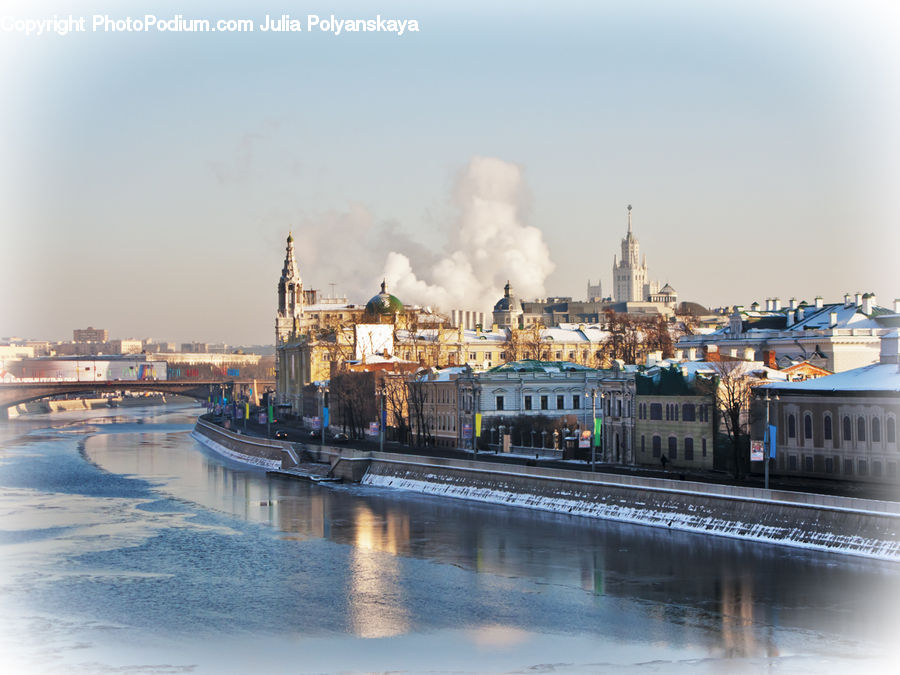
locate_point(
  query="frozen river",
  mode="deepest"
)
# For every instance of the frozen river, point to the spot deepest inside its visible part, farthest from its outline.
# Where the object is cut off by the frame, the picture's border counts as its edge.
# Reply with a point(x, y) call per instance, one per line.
point(126, 546)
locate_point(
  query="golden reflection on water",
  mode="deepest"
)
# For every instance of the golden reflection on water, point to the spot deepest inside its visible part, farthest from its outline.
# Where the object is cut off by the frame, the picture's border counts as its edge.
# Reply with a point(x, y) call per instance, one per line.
point(378, 606)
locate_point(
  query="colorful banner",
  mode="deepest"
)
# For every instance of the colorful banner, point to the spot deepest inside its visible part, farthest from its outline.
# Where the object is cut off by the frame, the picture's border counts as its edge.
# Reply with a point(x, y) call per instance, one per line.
point(598, 427)
point(477, 425)
point(271, 414)
point(772, 437)
point(467, 430)
point(757, 451)
point(584, 440)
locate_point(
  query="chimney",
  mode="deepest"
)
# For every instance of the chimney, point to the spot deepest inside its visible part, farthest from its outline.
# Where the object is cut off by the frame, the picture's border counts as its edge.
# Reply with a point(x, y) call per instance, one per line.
point(793, 303)
point(790, 318)
point(847, 300)
point(859, 299)
point(493, 328)
point(889, 347)
point(478, 330)
point(776, 304)
point(712, 352)
point(868, 303)
point(896, 305)
point(801, 313)
point(832, 319)
point(755, 306)
point(819, 302)
point(769, 359)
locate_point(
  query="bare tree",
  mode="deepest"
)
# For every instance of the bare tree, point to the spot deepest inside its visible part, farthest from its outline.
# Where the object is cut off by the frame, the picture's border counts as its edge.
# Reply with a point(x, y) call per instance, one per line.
point(396, 404)
point(353, 397)
point(732, 403)
point(420, 419)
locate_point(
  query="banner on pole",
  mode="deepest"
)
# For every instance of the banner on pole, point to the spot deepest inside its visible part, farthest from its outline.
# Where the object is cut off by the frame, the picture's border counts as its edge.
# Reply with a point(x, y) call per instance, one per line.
point(598, 427)
point(772, 437)
point(477, 425)
point(757, 451)
point(584, 441)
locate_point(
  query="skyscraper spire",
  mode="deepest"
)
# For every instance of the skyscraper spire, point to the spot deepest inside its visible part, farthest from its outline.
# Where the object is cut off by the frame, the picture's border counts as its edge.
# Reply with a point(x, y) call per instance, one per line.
point(629, 219)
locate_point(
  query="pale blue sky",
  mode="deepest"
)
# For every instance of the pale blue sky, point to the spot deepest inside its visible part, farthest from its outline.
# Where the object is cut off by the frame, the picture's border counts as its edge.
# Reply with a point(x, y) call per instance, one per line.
point(147, 181)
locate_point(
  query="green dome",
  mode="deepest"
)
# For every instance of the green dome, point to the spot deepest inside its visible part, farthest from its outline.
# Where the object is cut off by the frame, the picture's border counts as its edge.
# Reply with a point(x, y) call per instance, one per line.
point(384, 304)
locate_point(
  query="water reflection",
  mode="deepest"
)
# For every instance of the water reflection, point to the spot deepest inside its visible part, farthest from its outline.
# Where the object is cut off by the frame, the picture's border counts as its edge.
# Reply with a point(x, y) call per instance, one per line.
point(727, 598)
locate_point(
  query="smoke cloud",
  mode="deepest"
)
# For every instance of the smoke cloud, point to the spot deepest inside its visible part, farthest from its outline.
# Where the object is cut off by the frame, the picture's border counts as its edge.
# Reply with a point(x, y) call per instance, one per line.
point(486, 244)
point(489, 246)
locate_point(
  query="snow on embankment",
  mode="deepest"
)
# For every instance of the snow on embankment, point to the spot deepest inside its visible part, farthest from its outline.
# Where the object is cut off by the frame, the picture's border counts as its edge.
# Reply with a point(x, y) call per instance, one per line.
point(237, 447)
point(832, 524)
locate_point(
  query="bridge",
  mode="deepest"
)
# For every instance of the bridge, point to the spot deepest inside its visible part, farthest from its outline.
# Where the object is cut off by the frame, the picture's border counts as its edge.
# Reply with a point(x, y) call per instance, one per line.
point(14, 393)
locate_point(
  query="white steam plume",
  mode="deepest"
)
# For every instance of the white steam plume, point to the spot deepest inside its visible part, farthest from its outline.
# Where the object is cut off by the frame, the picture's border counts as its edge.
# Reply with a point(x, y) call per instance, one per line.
point(489, 246)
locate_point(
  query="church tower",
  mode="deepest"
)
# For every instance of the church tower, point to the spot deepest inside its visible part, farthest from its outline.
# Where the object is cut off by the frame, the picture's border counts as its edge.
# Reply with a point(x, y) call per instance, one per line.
point(630, 278)
point(289, 318)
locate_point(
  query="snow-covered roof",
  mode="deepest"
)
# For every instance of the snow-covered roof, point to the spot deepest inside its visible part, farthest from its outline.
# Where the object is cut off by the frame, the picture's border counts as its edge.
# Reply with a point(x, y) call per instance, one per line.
point(883, 377)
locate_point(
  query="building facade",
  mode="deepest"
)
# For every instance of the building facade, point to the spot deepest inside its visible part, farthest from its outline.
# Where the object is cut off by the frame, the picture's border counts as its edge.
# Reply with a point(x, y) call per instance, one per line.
point(843, 426)
point(631, 280)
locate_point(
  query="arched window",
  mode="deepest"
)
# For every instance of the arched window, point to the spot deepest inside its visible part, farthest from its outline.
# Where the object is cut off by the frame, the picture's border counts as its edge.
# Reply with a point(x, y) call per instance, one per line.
point(792, 427)
point(876, 430)
point(807, 426)
point(827, 427)
point(673, 447)
point(860, 429)
point(688, 413)
point(891, 430)
point(689, 448)
point(847, 429)
point(657, 446)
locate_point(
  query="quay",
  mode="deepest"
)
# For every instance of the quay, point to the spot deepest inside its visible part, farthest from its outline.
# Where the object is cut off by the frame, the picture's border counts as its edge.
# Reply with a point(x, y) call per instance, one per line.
point(845, 525)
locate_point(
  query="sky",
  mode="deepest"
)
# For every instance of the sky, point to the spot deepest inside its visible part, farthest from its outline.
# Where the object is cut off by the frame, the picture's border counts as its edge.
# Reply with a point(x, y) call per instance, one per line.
point(148, 180)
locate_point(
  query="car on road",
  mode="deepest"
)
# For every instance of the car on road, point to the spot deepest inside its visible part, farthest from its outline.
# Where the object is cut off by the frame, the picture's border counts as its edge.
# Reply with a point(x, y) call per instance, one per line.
point(281, 434)
point(340, 437)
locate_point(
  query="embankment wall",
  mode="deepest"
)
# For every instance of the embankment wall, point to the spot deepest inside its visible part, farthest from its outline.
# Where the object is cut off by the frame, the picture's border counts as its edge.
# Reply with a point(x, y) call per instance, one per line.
point(842, 525)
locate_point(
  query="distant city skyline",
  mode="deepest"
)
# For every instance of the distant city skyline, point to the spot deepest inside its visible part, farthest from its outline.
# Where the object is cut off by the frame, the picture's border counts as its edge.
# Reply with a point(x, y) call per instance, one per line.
point(149, 180)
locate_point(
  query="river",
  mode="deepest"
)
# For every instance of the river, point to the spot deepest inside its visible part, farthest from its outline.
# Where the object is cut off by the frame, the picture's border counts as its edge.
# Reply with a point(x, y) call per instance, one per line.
point(126, 546)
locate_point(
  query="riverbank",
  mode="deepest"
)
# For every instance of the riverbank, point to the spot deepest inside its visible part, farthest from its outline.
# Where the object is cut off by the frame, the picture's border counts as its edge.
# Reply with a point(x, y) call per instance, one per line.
point(46, 406)
point(861, 527)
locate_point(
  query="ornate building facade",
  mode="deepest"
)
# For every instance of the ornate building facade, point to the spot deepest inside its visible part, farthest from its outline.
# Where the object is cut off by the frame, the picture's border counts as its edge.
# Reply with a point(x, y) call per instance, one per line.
point(631, 281)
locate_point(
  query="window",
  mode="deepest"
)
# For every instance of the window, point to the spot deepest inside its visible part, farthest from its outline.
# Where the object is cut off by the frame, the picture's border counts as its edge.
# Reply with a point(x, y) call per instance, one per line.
point(689, 448)
point(704, 447)
point(657, 446)
point(860, 429)
point(528, 403)
point(544, 404)
point(673, 447)
point(619, 408)
point(862, 468)
point(792, 427)
point(688, 412)
point(848, 467)
point(807, 426)
point(560, 402)
point(473, 356)
point(847, 429)
point(891, 431)
point(499, 403)
point(876, 430)
point(827, 427)
point(576, 402)
point(829, 465)
point(656, 411)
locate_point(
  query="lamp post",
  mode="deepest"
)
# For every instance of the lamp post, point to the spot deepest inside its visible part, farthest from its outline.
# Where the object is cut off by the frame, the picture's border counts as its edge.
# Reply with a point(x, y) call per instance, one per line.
point(767, 441)
point(381, 392)
point(592, 394)
point(322, 390)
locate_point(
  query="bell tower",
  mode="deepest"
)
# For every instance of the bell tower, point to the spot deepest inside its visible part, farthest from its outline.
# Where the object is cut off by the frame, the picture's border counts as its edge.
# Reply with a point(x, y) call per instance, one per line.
point(289, 317)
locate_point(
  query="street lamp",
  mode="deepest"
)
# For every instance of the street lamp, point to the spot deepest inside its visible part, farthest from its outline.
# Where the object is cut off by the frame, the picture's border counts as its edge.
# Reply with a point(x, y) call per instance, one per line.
point(767, 441)
point(593, 394)
point(382, 391)
point(322, 390)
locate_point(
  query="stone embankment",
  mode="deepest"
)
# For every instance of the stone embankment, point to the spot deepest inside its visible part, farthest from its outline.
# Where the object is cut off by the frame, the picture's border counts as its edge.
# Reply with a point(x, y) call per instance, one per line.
point(837, 524)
